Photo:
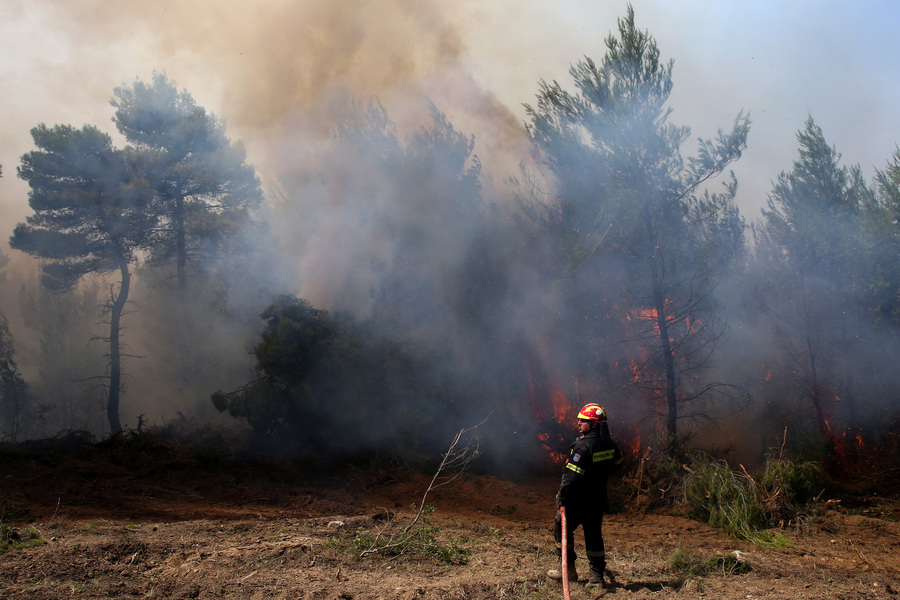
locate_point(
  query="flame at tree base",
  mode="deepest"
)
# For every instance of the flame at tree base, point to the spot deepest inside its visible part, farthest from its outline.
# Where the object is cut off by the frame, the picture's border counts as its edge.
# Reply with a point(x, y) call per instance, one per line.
point(851, 455)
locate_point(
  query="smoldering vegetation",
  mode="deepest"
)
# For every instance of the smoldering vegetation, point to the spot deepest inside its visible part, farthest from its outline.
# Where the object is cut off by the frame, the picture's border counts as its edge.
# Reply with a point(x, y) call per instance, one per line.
point(388, 291)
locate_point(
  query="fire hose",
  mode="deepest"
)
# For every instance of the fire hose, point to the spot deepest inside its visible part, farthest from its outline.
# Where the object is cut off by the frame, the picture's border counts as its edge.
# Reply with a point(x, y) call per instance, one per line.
point(564, 559)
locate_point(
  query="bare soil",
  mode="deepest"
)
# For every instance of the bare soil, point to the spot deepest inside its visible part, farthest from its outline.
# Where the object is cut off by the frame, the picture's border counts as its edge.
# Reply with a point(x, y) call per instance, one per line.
point(183, 530)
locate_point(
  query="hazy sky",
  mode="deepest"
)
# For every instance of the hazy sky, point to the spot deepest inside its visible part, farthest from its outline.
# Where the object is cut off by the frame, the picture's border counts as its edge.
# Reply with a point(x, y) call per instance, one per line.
point(271, 67)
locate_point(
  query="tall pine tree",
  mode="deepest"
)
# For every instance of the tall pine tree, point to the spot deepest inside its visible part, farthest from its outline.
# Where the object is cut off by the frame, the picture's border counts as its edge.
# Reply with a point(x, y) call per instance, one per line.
point(642, 242)
point(90, 216)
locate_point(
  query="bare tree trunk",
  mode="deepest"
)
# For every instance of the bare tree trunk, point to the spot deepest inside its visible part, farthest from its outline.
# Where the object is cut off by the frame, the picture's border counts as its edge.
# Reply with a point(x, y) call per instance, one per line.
point(180, 313)
point(665, 346)
point(12, 387)
point(115, 355)
point(180, 245)
point(814, 389)
point(662, 326)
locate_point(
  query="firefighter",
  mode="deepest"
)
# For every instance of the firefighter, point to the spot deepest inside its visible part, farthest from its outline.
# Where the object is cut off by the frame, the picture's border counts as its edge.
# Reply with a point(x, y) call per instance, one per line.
point(582, 492)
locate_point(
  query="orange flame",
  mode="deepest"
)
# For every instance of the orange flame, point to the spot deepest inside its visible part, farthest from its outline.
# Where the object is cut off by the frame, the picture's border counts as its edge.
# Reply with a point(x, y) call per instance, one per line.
point(562, 410)
point(551, 409)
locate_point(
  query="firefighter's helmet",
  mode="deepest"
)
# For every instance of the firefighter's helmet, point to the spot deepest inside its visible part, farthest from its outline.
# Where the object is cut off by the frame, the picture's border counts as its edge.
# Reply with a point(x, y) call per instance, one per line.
point(592, 412)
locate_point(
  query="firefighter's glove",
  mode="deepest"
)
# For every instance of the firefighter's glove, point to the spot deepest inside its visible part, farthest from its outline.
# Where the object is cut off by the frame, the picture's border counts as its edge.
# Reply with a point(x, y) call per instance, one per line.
point(559, 499)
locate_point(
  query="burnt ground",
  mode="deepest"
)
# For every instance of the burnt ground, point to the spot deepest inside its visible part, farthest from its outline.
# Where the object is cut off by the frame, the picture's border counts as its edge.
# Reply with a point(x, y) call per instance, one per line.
point(238, 530)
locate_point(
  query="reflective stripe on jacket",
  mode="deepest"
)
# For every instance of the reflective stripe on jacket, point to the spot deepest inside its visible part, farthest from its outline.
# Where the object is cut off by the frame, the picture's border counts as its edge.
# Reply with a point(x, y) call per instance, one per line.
point(592, 457)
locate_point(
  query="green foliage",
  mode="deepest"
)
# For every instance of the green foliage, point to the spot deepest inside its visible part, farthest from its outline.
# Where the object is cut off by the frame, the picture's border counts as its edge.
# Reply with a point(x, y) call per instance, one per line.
point(657, 475)
point(416, 271)
point(202, 187)
point(90, 207)
point(11, 512)
point(728, 564)
point(318, 373)
point(745, 506)
point(884, 285)
point(13, 538)
point(789, 484)
point(296, 342)
point(817, 218)
point(179, 192)
point(812, 209)
point(686, 562)
point(715, 494)
point(91, 215)
point(828, 280)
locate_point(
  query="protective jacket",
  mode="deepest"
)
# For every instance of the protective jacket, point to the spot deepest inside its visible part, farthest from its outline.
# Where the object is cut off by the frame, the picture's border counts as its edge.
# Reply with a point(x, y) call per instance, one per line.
point(592, 457)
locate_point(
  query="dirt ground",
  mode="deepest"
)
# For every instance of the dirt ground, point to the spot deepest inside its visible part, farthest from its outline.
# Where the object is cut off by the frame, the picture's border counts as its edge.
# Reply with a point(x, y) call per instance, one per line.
point(271, 531)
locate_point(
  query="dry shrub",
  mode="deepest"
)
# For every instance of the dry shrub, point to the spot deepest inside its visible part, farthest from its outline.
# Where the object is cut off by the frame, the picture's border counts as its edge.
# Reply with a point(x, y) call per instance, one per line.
point(654, 480)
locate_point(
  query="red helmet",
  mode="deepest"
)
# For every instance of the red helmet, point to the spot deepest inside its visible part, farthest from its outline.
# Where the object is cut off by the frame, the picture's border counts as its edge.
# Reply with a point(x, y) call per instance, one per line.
point(592, 412)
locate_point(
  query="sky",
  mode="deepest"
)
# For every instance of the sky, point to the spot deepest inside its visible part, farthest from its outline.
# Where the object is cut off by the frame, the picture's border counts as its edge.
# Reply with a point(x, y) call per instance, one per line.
point(273, 68)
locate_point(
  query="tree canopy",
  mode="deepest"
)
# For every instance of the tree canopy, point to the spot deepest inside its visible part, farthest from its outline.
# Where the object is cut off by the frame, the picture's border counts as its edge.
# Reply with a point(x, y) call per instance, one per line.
point(822, 234)
point(630, 218)
point(321, 378)
point(203, 188)
point(90, 208)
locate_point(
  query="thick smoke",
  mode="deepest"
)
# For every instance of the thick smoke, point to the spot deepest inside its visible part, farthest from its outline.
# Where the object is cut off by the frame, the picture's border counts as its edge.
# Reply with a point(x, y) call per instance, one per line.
point(345, 236)
point(346, 230)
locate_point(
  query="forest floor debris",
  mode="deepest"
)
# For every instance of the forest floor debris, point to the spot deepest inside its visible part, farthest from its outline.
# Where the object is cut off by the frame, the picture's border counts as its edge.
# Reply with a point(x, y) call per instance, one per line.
point(268, 531)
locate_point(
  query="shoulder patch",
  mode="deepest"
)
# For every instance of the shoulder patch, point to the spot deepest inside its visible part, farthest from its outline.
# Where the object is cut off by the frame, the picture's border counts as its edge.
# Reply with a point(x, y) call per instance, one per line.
point(576, 457)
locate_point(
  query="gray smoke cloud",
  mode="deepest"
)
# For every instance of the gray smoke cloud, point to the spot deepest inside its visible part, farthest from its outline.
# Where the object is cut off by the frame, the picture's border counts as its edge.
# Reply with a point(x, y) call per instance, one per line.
point(271, 68)
point(283, 72)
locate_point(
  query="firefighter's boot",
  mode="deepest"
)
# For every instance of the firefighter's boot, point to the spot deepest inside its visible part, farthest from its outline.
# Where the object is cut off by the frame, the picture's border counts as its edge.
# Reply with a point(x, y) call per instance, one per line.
point(598, 566)
point(557, 574)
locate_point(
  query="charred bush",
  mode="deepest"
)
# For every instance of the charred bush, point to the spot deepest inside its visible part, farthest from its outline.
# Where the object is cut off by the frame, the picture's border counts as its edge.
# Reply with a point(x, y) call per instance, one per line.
point(652, 480)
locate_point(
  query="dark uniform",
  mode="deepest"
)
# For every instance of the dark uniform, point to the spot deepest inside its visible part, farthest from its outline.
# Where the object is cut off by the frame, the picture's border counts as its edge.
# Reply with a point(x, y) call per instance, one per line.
point(583, 493)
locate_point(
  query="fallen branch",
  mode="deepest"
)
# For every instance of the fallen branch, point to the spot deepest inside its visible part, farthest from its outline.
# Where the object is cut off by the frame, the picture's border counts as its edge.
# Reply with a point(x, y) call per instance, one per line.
point(455, 459)
point(861, 555)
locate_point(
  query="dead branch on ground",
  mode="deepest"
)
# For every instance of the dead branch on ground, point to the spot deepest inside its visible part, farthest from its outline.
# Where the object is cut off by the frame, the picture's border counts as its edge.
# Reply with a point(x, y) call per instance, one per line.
point(454, 462)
